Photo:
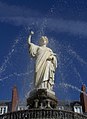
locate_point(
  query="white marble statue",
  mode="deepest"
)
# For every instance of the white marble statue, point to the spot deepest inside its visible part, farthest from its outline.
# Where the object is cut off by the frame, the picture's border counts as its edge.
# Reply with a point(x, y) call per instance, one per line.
point(45, 65)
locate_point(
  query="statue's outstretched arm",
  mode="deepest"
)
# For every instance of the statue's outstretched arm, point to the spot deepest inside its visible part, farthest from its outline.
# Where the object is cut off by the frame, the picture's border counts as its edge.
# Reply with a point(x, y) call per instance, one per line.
point(29, 38)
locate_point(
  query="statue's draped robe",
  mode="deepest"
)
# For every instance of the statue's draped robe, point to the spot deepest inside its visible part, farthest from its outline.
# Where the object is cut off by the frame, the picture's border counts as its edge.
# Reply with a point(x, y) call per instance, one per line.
point(44, 67)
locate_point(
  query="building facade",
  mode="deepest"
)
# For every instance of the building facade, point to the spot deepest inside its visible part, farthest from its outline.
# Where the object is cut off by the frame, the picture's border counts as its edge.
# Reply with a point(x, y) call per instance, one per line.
point(74, 106)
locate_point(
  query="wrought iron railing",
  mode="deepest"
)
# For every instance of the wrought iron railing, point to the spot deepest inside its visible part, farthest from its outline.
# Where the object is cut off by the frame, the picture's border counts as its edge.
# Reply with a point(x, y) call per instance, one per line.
point(43, 114)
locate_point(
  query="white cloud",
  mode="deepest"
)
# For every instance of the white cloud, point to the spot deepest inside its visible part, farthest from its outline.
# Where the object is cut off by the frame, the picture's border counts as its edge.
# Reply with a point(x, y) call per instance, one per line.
point(16, 11)
point(23, 16)
point(73, 27)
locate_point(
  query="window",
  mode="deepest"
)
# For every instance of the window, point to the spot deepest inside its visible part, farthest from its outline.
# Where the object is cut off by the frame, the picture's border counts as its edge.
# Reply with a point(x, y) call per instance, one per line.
point(1, 110)
point(4, 109)
point(78, 109)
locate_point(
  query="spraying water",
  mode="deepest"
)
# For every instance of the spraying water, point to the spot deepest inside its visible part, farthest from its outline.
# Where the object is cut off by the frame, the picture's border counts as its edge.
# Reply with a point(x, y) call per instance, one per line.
point(65, 55)
point(4, 64)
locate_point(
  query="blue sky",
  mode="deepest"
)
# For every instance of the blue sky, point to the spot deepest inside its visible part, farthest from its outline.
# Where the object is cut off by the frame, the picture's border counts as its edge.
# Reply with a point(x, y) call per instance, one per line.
point(64, 22)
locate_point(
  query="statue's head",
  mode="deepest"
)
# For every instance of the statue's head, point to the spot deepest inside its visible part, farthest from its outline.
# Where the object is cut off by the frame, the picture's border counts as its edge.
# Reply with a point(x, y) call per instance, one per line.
point(43, 41)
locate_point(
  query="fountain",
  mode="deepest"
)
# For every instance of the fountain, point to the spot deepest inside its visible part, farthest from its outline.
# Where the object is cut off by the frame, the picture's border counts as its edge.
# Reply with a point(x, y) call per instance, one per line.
point(42, 97)
point(41, 100)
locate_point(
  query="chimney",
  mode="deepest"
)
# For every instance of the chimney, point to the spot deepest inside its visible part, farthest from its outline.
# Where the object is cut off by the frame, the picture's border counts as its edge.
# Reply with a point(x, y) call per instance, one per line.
point(83, 98)
point(14, 98)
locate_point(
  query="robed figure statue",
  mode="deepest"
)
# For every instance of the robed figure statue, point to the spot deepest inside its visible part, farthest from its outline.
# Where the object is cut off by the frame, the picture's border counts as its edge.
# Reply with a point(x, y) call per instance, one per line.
point(45, 65)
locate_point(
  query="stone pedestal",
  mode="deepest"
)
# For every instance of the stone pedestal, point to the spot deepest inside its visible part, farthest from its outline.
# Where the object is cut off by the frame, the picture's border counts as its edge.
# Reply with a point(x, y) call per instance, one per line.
point(42, 98)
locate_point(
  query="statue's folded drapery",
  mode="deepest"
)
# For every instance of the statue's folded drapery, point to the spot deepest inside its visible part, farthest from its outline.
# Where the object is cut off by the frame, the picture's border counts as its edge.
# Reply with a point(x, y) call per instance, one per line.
point(45, 65)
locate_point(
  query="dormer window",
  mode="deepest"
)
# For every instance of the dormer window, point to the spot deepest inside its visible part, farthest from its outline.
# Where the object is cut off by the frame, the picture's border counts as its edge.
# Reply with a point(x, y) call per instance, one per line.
point(3, 109)
point(60, 107)
point(78, 109)
point(21, 107)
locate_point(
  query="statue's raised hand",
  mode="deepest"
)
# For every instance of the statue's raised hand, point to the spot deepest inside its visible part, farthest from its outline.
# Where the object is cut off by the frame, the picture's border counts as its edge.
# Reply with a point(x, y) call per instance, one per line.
point(32, 32)
point(29, 38)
